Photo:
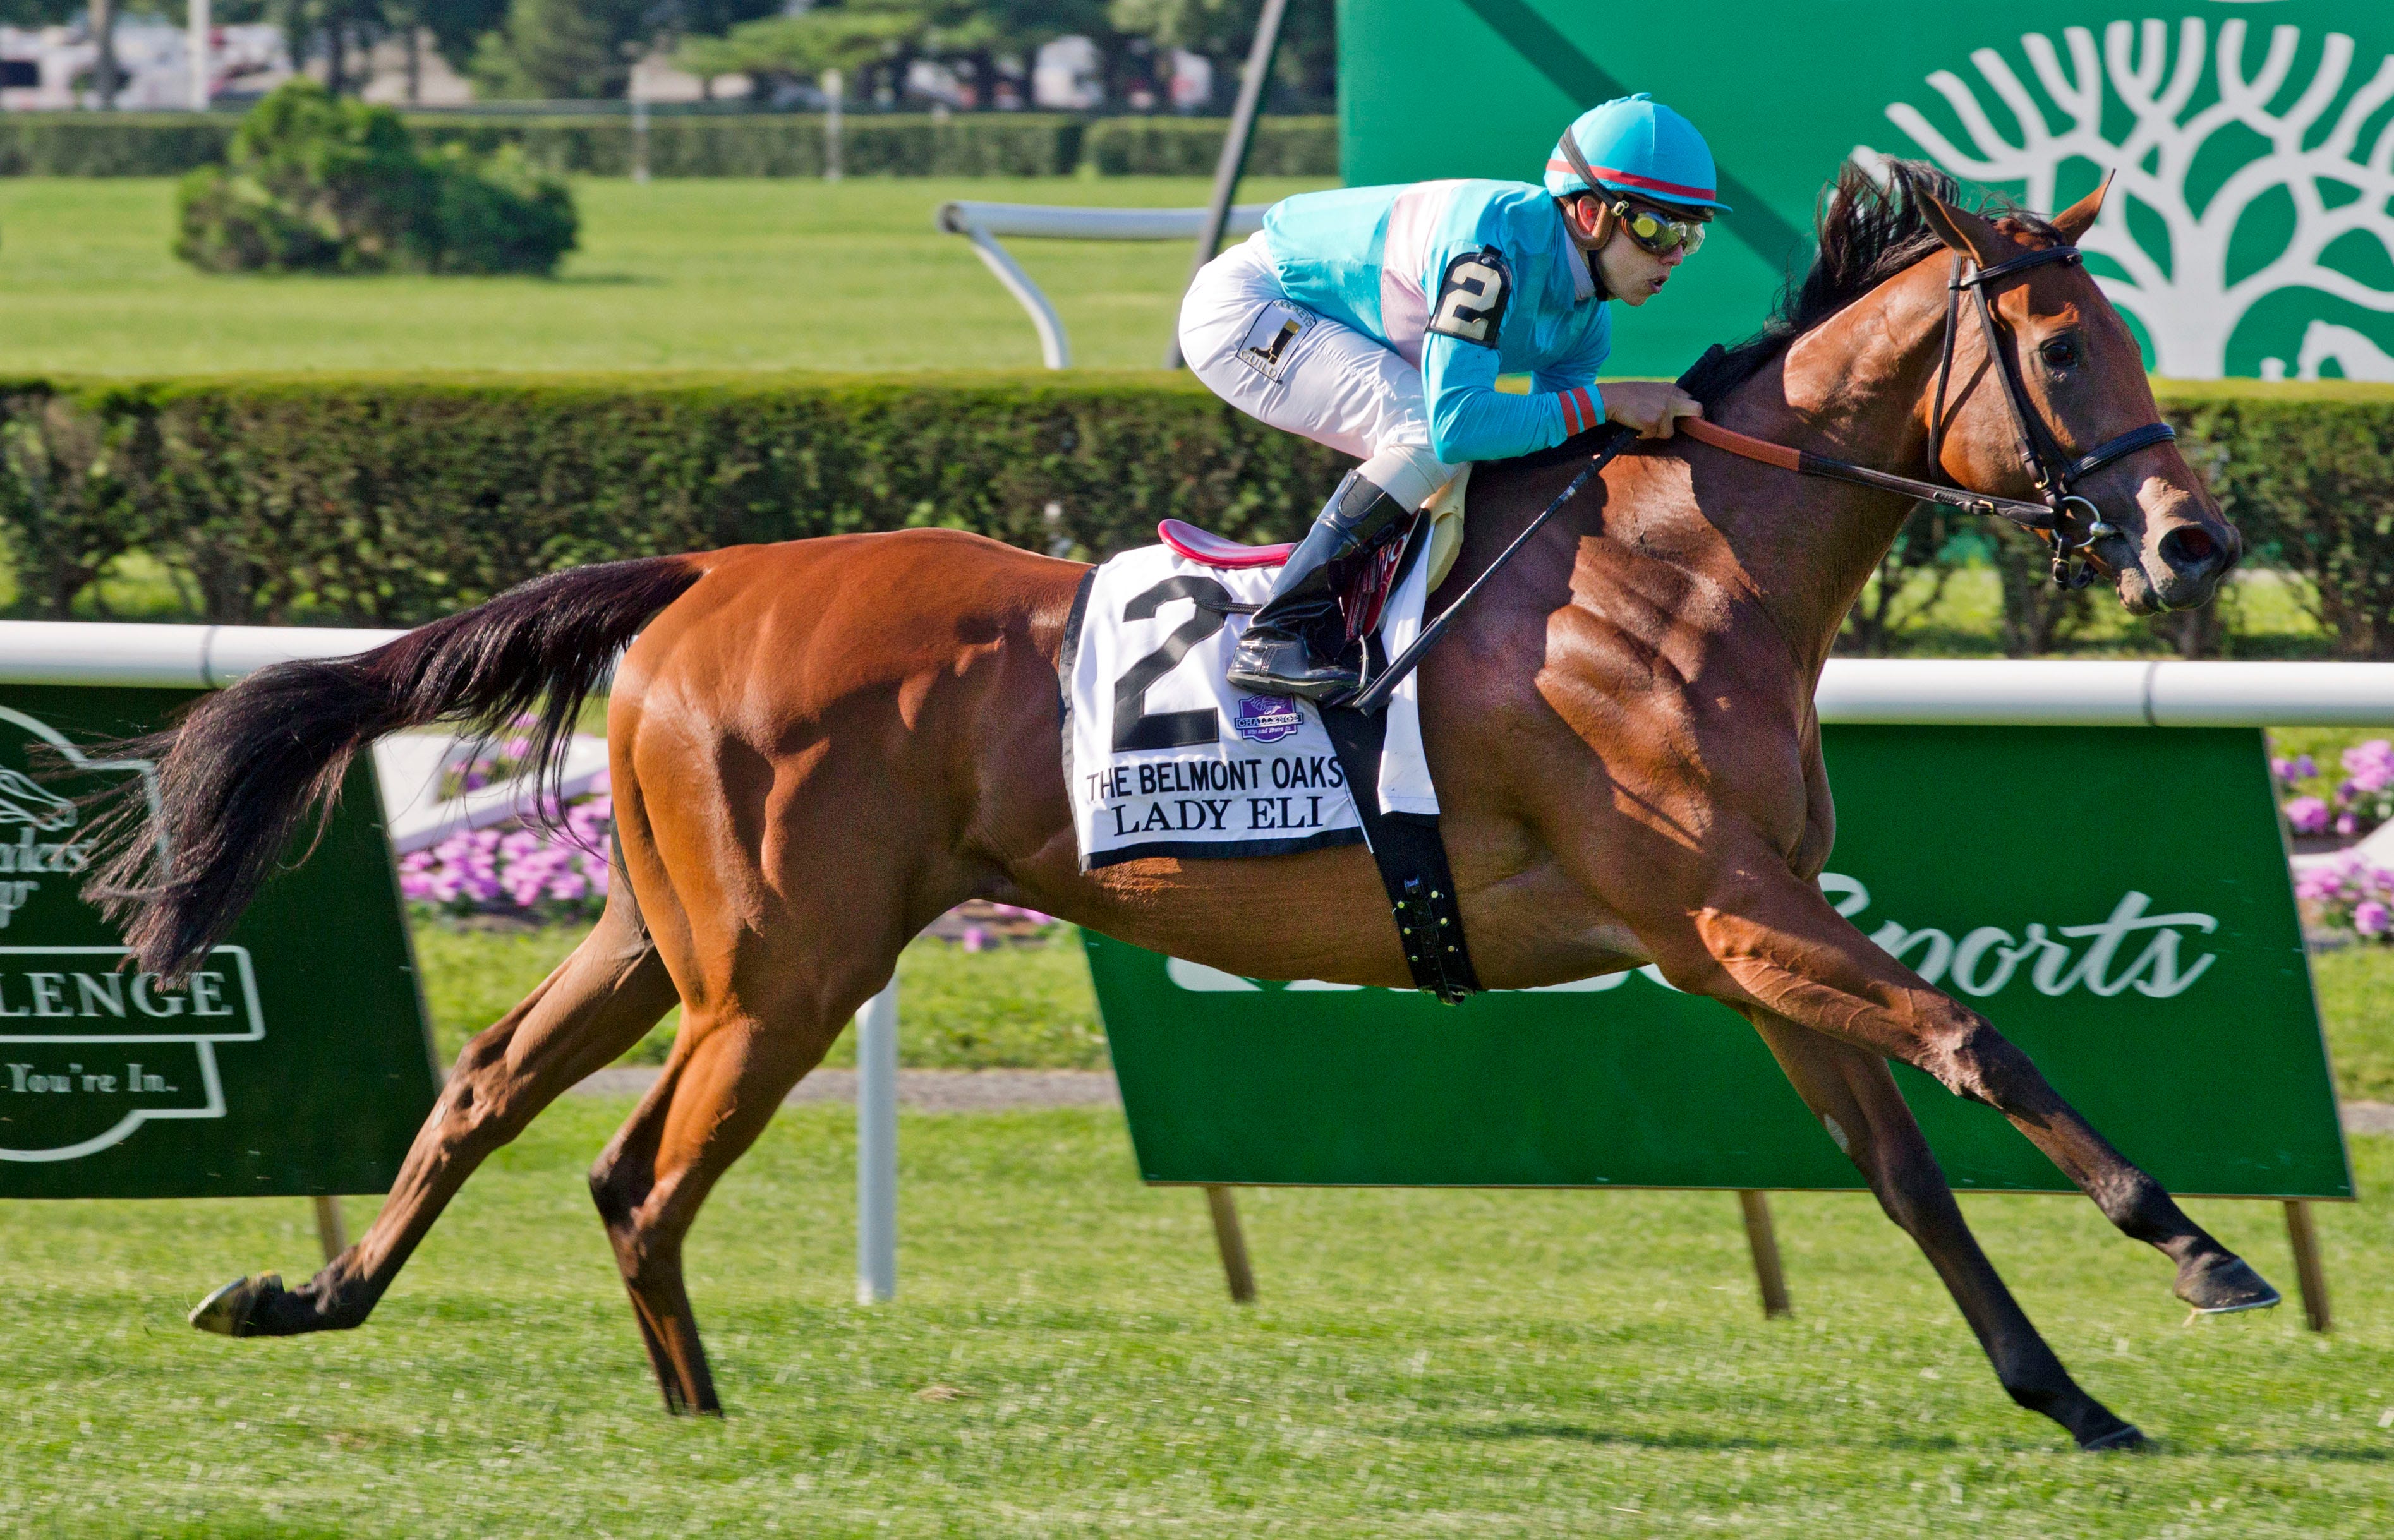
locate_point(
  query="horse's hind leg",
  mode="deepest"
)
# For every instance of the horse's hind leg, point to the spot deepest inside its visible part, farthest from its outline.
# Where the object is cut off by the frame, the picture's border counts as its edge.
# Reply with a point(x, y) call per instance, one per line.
point(1780, 944)
point(597, 1004)
point(728, 1073)
point(1855, 1098)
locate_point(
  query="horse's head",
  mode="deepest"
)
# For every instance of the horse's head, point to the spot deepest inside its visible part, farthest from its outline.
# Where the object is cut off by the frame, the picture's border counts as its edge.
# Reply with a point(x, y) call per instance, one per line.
point(2083, 383)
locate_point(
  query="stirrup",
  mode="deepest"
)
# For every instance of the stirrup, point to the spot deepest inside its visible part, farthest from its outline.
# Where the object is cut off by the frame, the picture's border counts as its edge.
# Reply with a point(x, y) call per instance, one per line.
point(1261, 666)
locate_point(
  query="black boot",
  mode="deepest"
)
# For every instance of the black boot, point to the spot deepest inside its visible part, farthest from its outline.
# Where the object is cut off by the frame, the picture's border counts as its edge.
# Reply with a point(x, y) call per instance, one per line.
point(1275, 657)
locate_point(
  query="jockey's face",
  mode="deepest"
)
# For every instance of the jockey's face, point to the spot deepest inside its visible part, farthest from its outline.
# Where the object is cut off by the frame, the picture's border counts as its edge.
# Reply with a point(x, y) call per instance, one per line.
point(1631, 273)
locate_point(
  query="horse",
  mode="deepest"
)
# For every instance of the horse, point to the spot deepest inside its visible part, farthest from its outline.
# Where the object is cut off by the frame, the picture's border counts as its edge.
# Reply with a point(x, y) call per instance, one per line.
point(820, 746)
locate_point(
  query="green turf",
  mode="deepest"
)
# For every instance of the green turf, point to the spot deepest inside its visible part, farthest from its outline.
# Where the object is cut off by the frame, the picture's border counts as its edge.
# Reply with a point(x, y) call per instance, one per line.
point(671, 275)
point(2356, 990)
point(1421, 1363)
point(1019, 1007)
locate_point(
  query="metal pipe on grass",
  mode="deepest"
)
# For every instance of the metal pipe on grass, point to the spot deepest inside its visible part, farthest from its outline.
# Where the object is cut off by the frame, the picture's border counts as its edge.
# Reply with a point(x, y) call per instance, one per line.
point(877, 1148)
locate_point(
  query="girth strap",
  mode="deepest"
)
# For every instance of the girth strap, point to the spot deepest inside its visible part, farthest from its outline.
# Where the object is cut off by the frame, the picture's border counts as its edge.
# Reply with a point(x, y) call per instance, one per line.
point(1410, 854)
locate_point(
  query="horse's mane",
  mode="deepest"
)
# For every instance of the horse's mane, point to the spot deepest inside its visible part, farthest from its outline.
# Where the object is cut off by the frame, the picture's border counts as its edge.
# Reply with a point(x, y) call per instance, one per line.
point(1871, 225)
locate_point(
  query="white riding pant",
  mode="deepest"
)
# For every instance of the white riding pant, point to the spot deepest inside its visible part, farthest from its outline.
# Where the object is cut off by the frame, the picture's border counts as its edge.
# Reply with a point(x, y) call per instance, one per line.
point(1294, 369)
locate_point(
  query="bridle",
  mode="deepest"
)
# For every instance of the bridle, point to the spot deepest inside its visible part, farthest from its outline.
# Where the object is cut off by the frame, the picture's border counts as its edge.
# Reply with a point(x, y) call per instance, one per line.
point(2069, 524)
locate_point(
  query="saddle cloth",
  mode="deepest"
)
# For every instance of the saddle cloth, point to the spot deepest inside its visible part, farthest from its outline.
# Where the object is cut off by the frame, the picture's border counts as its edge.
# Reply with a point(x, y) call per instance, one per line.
point(1162, 757)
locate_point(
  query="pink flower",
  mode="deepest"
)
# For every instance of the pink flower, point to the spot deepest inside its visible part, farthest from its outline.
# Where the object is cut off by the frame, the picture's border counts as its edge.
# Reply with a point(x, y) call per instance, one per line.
point(2347, 825)
point(976, 939)
point(2372, 918)
point(2370, 765)
point(2307, 815)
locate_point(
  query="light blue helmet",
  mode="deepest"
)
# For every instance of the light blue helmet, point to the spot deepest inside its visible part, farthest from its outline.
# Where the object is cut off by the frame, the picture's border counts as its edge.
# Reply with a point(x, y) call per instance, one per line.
point(1637, 145)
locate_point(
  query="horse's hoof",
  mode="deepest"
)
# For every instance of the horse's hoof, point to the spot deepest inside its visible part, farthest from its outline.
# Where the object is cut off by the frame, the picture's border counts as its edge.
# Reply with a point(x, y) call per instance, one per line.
point(232, 1309)
point(2124, 1437)
point(2221, 1284)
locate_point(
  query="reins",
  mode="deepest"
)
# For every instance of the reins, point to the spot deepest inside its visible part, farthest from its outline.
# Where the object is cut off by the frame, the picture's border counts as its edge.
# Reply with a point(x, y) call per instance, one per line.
point(2053, 518)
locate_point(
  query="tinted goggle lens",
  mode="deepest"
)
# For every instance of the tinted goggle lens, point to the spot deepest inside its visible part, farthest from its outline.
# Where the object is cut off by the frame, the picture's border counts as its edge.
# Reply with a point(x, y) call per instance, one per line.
point(1659, 235)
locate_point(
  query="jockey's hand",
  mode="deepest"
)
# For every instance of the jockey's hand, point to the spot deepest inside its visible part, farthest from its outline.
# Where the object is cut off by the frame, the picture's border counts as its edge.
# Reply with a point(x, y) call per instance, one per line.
point(1650, 406)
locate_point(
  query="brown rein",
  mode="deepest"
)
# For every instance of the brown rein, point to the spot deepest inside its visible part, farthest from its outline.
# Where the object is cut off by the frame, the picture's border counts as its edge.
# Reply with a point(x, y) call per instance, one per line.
point(2028, 516)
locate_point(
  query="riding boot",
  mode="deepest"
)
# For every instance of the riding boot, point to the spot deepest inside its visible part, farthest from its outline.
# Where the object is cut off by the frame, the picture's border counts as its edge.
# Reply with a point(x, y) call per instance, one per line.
point(1277, 655)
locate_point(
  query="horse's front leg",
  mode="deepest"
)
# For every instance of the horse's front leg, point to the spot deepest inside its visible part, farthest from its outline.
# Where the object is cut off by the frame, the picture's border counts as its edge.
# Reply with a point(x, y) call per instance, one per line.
point(1854, 1096)
point(1770, 939)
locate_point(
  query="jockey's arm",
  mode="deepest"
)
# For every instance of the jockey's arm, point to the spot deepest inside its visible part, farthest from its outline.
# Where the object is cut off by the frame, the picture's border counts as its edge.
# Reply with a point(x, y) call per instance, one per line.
point(1470, 419)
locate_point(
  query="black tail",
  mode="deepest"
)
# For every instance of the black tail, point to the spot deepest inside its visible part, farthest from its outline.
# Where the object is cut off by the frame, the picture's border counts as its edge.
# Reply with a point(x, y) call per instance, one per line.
point(238, 773)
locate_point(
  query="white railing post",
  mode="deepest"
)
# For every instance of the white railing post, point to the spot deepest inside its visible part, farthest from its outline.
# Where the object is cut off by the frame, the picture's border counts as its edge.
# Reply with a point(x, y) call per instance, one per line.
point(835, 90)
point(876, 1147)
point(198, 27)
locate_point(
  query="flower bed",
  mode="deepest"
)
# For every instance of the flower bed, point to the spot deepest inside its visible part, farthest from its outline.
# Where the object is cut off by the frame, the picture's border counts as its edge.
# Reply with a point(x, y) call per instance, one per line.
point(2352, 807)
point(2350, 893)
point(551, 868)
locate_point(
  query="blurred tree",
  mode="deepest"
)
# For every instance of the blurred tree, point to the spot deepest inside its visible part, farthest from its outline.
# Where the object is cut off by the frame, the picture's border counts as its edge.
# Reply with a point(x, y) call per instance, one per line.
point(40, 13)
point(857, 39)
point(338, 30)
point(577, 49)
point(877, 41)
point(457, 25)
point(1304, 69)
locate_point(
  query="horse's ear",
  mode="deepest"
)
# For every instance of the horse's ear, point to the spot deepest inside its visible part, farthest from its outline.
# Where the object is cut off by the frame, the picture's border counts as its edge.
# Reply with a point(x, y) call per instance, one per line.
point(1968, 233)
point(2079, 218)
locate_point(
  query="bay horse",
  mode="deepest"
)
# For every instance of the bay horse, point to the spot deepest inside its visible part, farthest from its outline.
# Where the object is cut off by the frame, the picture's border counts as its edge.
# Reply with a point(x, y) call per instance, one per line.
point(820, 746)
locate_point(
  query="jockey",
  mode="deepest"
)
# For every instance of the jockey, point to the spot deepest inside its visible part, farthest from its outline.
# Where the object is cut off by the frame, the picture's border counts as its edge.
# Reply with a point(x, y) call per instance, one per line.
point(1376, 321)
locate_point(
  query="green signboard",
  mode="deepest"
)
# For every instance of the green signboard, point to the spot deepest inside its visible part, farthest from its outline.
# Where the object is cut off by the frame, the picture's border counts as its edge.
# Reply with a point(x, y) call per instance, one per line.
point(2150, 959)
point(294, 1060)
point(2251, 231)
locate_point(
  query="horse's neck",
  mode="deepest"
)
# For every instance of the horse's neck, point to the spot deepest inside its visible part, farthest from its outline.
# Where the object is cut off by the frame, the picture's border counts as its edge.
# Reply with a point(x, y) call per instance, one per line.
point(1850, 389)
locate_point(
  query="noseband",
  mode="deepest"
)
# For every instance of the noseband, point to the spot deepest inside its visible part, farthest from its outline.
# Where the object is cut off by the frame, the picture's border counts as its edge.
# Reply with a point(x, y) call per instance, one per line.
point(2069, 523)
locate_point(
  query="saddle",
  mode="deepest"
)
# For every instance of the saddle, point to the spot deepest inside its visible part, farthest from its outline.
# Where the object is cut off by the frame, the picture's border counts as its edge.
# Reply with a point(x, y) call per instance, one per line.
point(1364, 583)
point(1408, 848)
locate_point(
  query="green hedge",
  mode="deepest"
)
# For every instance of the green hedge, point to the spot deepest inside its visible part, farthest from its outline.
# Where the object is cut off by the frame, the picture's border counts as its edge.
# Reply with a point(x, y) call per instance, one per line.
point(1188, 146)
point(892, 145)
point(389, 500)
point(1026, 144)
point(111, 144)
point(2307, 471)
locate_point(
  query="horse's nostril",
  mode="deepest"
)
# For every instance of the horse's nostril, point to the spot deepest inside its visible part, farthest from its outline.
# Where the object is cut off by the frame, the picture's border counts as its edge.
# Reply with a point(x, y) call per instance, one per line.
point(2189, 545)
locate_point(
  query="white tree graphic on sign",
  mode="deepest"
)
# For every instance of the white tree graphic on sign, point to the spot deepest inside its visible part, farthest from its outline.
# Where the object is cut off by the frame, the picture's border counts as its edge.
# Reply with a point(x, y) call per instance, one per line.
point(2187, 306)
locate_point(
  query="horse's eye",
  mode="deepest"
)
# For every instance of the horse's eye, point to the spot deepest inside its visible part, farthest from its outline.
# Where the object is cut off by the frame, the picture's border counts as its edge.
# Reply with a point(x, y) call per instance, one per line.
point(2061, 352)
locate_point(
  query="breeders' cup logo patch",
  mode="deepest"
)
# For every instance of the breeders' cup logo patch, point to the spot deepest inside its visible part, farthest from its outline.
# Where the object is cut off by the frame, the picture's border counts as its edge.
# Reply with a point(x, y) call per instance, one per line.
point(1266, 718)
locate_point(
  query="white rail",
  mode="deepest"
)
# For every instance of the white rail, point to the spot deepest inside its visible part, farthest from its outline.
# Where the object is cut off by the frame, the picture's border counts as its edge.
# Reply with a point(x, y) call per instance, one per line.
point(982, 223)
point(177, 658)
point(1995, 691)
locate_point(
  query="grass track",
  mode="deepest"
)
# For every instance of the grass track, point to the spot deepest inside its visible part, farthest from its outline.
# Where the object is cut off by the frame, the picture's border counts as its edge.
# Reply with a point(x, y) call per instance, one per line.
point(711, 274)
point(1421, 1363)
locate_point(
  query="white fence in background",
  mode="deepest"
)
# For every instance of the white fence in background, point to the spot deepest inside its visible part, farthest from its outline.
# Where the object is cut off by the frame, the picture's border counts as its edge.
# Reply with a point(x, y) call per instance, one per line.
point(1993, 691)
point(982, 223)
point(1851, 690)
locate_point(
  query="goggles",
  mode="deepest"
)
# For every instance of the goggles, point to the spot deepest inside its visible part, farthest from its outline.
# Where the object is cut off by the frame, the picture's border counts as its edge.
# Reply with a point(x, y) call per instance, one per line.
point(1657, 233)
